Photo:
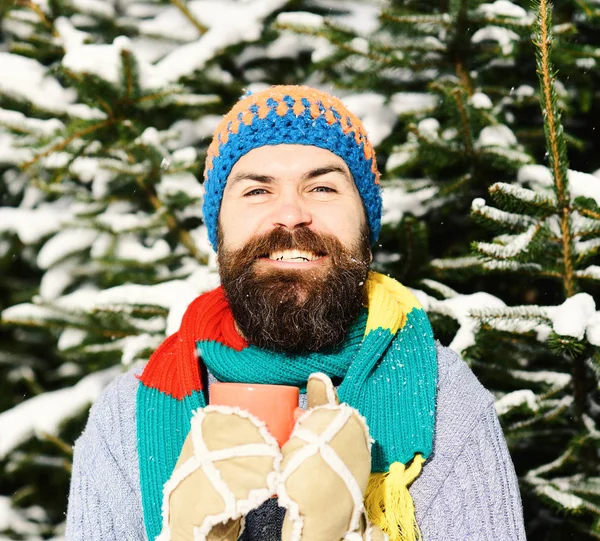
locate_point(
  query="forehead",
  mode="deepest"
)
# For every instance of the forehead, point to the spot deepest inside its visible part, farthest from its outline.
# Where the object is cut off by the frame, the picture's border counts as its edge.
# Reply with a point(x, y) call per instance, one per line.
point(286, 160)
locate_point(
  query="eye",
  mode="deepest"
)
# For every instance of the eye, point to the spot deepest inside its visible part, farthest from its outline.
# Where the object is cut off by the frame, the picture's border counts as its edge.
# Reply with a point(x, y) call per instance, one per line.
point(255, 191)
point(324, 189)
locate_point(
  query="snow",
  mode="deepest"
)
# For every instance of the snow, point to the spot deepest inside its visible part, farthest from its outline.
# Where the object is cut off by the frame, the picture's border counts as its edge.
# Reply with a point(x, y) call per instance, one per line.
point(32, 225)
point(30, 81)
point(572, 316)
point(593, 272)
point(429, 127)
point(523, 194)
point(57, 279)
point(375, 115)
point(397, 202)
point(586, 246)
point(64, 243)
point(410, 103)
point(514, 400)
point(122, 222)
point(361, 17)
point(584, 185)
point(70, 338)
point(592, 332)
point(555, 379)
point(129, 248)
point(401, 156)
point(580, 184)
point(504, 37)
point(478, 206)
point(70, 37)
point(13, 519)
point(134, 345)
point(503, 8)
point(185, 183)
point(513, 245)
point(499, 135)
point(105, 61)
point(10, 155)
point(229, 23)
point(524, 91)
point(460, 308)
point(479, 100)
point(301, 18)
point(44, 413)
point(100, 8)
point(18, 121)
point(569, 501)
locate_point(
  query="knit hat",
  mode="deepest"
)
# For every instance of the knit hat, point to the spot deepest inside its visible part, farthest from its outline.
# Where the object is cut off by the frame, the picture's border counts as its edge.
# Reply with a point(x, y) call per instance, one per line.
point(291, 115)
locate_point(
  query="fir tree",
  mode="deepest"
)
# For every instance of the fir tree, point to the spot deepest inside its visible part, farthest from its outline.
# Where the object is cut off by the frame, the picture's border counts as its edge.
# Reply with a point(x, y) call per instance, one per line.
point(455, 84)
point(103, 128)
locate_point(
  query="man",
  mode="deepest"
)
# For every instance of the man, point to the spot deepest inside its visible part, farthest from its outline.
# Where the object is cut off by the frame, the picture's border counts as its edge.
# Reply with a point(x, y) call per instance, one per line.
point(293, 204)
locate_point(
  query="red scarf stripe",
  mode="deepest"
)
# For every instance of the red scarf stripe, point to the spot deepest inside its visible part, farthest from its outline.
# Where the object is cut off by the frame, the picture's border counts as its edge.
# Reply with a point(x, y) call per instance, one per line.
point(173, 368)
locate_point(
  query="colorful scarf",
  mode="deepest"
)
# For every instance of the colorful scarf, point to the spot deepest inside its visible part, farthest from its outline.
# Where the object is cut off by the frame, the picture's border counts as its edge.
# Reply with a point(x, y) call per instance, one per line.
point(386, 369)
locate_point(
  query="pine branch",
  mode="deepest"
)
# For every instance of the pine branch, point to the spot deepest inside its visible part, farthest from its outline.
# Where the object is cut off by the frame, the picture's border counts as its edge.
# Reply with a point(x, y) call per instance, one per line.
point(181, 6)
point(464, 119)
point(555, 140)
point(35, 8)
point(60, 146)
point(183, 235)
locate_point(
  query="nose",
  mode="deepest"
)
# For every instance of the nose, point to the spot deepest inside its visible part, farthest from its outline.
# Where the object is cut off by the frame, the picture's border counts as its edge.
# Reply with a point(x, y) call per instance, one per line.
point(290, 212)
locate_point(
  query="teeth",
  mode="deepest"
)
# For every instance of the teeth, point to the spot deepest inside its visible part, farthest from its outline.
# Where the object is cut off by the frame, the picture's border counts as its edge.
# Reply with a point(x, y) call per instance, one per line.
point(292, 255)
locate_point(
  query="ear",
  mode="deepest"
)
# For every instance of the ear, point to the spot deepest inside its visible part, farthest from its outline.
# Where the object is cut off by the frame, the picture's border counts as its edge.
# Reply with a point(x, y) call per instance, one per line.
point(320, 391)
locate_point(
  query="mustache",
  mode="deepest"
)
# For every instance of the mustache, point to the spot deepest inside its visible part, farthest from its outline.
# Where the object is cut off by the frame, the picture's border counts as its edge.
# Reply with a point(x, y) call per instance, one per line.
point(280, 238)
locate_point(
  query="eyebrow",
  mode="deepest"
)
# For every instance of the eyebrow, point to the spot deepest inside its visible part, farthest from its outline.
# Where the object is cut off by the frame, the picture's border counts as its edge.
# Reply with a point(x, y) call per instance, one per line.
point(313, 173)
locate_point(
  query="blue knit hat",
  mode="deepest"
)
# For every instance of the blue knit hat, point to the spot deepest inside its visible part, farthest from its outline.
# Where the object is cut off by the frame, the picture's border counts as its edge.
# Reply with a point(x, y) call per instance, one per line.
point(291, 115)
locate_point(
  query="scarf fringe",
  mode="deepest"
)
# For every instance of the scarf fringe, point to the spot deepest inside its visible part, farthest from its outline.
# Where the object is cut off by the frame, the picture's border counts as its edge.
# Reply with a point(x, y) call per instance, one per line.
point(388, 503)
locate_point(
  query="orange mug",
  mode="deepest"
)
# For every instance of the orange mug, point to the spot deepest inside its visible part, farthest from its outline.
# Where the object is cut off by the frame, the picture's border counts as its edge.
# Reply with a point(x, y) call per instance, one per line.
point(275, 405)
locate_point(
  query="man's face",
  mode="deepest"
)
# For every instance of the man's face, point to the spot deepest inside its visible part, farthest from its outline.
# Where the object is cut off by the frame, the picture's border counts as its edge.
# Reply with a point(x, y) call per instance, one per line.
point(293, 247)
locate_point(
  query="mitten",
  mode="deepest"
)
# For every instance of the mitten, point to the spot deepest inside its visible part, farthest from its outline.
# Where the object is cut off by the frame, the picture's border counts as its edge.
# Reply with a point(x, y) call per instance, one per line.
point(228, 465)
point(325, 471)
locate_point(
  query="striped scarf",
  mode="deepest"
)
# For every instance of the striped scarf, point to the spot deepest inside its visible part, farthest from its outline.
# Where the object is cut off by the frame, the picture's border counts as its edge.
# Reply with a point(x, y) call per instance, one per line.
point(386, 369)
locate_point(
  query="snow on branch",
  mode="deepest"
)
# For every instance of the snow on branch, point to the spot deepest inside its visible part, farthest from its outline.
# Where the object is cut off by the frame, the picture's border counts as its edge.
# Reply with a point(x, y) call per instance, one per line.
point(591, 273)
point(514, 245)
point(523, 195)
point(479, 208)
point(44, 413)
point(516, 399)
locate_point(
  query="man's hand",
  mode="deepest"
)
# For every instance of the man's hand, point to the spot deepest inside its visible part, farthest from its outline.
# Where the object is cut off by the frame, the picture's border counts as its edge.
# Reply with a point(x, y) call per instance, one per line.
point(325, 471)
point(229, 465)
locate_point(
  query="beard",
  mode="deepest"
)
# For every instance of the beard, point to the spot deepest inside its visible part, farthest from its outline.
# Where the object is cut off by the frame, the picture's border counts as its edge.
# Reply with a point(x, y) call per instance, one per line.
point(295, 310)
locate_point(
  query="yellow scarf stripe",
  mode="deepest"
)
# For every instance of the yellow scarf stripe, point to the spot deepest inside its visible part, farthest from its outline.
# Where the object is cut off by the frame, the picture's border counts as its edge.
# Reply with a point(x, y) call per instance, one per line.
point(389, 303)
point(389, 504)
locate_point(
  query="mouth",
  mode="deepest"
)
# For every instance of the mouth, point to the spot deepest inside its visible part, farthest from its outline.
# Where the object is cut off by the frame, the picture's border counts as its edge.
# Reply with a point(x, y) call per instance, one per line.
point(293, 257)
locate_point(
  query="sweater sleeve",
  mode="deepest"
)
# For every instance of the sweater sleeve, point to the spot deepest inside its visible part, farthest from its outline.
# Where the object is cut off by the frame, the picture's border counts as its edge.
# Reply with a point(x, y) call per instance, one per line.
point(479, 499)
point(469, 491)
point(104, 501)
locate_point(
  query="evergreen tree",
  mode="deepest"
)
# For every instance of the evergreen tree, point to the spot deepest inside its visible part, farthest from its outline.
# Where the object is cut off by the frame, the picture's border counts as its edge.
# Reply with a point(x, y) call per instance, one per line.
point(102, 138)
point(454, 85)
point(104, 122)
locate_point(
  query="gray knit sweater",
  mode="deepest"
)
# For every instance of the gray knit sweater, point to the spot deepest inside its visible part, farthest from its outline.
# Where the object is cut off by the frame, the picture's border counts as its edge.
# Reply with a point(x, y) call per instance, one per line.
point(467, 489)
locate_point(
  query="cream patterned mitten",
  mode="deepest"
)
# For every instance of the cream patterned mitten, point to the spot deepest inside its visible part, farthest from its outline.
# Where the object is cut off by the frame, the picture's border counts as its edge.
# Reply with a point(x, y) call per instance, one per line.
point(228, 465)
point(325, 471)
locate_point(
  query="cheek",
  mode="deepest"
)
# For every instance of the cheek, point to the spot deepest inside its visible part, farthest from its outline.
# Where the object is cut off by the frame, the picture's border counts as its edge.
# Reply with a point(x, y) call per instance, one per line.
point(237, 226)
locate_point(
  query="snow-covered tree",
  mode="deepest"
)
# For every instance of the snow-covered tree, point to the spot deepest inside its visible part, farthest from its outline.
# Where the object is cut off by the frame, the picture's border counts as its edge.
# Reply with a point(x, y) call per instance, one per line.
point(452, 91)
point(106, 108)
point(104, 123)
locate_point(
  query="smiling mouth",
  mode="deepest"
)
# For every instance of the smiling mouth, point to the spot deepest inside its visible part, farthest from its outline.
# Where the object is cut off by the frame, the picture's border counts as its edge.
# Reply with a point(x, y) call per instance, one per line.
point(293, 256)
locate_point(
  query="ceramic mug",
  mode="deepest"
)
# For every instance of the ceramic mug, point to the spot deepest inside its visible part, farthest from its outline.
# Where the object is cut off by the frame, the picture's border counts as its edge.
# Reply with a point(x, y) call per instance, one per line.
point(275, 405)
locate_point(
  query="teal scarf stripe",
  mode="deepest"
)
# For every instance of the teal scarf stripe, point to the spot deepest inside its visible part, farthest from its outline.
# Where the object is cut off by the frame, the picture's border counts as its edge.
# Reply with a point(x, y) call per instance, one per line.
point(163, 422)
point(391, 380)
point(255, 365)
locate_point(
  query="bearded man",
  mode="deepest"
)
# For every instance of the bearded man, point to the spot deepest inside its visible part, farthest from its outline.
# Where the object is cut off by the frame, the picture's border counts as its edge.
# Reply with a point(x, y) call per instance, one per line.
point(293, 205)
